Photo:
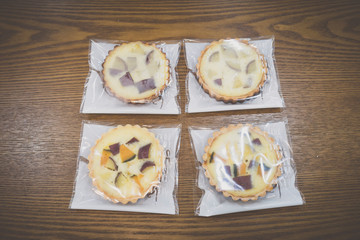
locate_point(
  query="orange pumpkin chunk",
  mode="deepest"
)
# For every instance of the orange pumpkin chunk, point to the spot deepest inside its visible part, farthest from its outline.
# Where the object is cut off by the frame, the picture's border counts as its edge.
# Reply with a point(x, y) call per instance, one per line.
point(242, 169)
point(105, 157)
point(137, 180)
point(259, 172)
point(126, 154)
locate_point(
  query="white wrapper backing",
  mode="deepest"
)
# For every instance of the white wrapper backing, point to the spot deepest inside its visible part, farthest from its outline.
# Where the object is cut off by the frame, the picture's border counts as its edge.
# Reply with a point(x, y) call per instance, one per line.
point(96, 99)
point(161, 201)
point(284, 194)
point(199, 101)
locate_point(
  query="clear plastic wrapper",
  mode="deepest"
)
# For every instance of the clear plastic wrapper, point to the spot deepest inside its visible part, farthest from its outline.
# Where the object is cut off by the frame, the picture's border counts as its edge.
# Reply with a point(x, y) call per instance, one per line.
point(267, 94)
point(244, 166)
point(127, 168)
point(129, 88)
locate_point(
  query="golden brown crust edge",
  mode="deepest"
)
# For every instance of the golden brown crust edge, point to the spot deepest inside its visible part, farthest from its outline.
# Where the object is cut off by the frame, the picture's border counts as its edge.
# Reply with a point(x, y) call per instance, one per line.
point(111, 197)
point(139, 100)
point(206, 156)
point(228, 99)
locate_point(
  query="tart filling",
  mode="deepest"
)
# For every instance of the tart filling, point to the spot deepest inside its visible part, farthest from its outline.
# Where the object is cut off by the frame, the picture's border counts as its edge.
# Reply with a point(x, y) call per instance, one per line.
point(231, 70)
point(136, 72)
point(126, 163)
point(242, 161)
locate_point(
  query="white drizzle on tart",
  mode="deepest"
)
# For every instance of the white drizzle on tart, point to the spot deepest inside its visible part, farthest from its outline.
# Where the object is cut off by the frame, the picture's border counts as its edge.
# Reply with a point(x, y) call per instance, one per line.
point(242, 162)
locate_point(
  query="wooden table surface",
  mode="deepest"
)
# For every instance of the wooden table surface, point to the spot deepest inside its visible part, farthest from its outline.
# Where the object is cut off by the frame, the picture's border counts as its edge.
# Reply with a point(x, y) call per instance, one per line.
point(44, 63)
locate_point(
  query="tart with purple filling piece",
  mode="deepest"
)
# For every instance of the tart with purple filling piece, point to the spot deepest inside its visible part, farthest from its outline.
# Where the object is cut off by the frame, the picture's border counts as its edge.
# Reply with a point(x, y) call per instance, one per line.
point(231, 70)
point(126, 163)
point(136, 72)
point(242, 162)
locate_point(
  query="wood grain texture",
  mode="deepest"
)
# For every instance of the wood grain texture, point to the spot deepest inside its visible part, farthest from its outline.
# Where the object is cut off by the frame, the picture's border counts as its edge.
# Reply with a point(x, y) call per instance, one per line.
point(43, 66)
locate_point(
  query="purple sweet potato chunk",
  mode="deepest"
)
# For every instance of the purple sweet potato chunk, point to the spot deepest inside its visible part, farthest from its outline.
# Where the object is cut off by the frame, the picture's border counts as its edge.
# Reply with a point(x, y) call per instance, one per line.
point(149, 56)
point(227, 170)
point(233, 66)
point(144, 151)
point(252, 164)
point(114, 71)
point(228, 51)
point(256, 141)
point(115, 165)
point(231, 183)
point(218, 81)
point(126, 80)
point(146, 165)
point(115, 148)
point(214, 57)
point(119, 64)
point(118, 179)
point(250, 67)
point(145, 85)
point(243, 181)
point(133, 140)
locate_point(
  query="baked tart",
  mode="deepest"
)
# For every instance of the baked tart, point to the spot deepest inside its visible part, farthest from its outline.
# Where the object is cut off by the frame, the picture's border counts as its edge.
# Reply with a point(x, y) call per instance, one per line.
point(126, 163)
point(231, 70)
point(242, 162)
point(136, 72)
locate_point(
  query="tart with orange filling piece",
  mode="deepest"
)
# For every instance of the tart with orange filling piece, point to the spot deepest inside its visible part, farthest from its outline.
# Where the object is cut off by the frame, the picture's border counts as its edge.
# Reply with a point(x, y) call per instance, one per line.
point(126, 163)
